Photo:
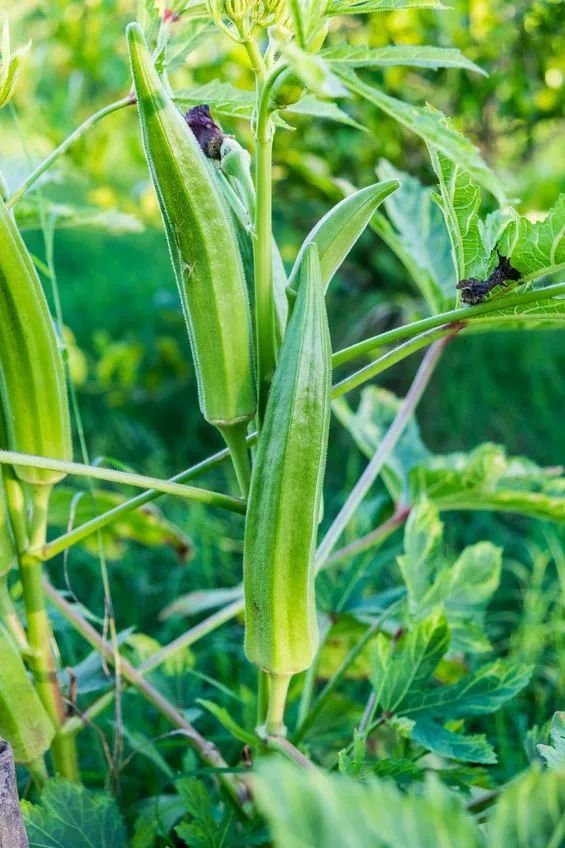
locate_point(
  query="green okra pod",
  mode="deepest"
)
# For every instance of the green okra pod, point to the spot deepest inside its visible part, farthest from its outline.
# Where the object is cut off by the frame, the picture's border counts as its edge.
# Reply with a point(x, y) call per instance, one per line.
point(203, 248)
point(281, 634)
point(33, 393)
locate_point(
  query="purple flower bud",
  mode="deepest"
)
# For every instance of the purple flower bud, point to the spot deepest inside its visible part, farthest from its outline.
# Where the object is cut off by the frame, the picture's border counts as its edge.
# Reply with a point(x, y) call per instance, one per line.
point(208, 134)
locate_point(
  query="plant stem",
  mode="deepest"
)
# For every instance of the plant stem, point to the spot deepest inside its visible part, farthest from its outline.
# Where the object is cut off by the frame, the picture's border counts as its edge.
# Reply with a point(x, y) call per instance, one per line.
point(454, 315)
point(370, 539)
point(39, 635)
point(73, 536)
point(263, 687)
point(9, 618)
point(278, 690)
point(391, 358)
point(208, 625)
point(235, 439)
point(126, 478)
point(331, 685)
point(64, 146)
point(376, 463)
point(206, 750)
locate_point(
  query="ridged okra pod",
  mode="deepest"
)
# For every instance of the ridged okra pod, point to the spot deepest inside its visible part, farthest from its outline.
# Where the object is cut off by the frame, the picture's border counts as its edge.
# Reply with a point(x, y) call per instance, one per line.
point(203, 248)
point(32, 380)
point(281, 634)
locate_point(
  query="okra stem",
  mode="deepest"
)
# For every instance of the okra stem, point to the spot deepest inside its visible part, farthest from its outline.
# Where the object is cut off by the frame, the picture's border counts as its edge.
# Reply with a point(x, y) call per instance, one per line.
point(126, 478)
point(64, 146)
point(235, 439)
point(206, 750)
point(63, 749)
point(454, 315)
point(279, 684)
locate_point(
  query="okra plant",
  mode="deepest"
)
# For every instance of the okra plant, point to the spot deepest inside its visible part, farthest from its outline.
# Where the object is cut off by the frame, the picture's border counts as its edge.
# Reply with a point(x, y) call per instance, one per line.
point(268, 380)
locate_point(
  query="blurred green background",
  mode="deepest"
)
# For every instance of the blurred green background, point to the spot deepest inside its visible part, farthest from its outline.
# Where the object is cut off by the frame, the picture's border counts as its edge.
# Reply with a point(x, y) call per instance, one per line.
point(129, 353)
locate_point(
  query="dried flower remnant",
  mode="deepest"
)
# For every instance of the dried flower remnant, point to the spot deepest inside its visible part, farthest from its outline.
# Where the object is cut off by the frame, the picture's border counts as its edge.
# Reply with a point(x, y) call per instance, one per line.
point(474, 290)
point(206, 131)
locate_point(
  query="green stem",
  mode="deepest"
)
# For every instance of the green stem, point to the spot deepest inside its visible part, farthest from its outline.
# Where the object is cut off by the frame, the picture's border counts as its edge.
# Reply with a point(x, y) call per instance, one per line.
point(38, 772)
point(39, 635)
point(100, 521)
point(203, 628)
point(235, 439)
point(274, 724)
point(126, 478)
point(206, 750)
point(64, 146)
point(453, 316)
point(263, 243)
point(263, 686)
point(384, 449)
point(9, 618)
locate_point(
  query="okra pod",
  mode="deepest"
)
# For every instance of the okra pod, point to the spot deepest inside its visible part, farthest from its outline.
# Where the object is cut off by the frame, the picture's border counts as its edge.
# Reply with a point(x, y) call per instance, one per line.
point(203, 248)
point(281, 633)
point(33, 393)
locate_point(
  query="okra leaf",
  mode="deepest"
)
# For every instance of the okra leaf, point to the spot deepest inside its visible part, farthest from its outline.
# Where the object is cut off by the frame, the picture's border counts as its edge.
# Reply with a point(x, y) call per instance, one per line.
point(156, 818)
point(66, 217)
point(201, 600)
point(485, 478)
point(459, 201)
point(530, 812)
point(315, 808)
point(69, 814)
point(340, 228)
point(554, 754)
point(408, 55)
point(462, 589)
point(368, 424)
point(204, 828)
point(482, 692)
point(399, 669)
point(314, 72)
point(430, 125)
point(324, 109)
point(537, 249)
point(415, 231)
point(455, 746)
point(351, 7)
point(146, 526)
point(228, 722)
point(222, 98)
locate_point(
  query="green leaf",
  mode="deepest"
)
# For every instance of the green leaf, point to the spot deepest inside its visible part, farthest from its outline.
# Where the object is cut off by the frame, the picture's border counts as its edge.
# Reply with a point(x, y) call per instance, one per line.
point(554, 754)
point(368, 425)
point(66, 217)
point(409, 55)
point(226, 720)
point(313, 808)
point(340, 228)
point(70, 815)
point(423, 537)
point(146, 526)
point(416, 232)
point(479, 693)
point(201, 600)
point(463, 589)
point(314, 72)
point(204, 830)
point(358, 7)
point(537, 249)
point(454, 746)
point(222, 98)
point(486, 478)
point(157, 817)
point(530, 813)
point(309, 104)
point(430, 125)
point(396, 671)
point(460, 202)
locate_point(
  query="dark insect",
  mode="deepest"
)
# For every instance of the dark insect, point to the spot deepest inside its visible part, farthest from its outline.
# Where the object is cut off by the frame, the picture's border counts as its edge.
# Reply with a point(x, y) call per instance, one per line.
point(474, 290)
point(208, 134)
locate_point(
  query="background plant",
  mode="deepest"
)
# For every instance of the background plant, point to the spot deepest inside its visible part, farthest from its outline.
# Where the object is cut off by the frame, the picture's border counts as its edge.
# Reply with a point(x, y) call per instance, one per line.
point(485, 475)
